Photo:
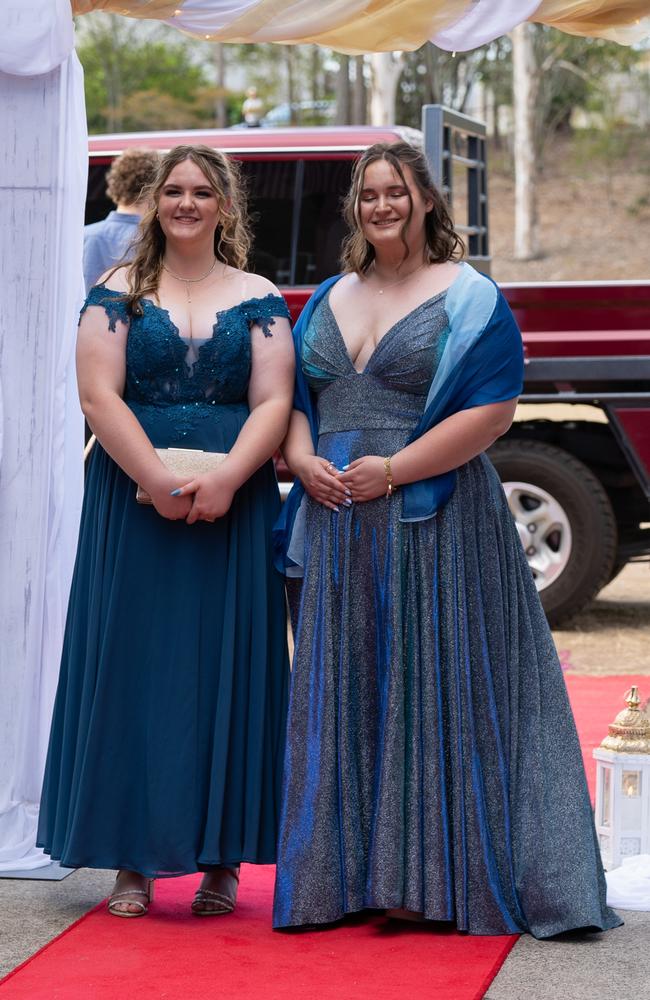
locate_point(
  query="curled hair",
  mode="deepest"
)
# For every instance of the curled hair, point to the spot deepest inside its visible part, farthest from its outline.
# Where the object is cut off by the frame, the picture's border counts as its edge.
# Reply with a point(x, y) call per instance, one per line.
point(231, 238)
point(131, 174)
point(442, 242)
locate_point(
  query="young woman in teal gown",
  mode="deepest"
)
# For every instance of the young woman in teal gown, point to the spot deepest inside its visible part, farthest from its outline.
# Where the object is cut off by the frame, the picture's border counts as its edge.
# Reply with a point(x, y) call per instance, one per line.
point(166, 747)
point(432, 767)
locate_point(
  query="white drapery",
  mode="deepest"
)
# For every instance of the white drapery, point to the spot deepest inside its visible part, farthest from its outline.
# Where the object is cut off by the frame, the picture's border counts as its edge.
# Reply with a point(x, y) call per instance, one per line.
point(484, 21)
point(628, 887)
point(384, 25)
point(37, 36)
point(43, 175)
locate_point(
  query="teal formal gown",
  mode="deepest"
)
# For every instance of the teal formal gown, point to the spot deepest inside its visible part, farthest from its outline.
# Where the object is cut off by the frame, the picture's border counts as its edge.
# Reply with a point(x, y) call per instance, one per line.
point(166, 747)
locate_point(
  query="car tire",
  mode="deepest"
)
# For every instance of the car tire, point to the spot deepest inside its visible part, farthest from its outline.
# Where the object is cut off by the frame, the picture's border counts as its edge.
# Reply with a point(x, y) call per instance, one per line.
point(573, 551)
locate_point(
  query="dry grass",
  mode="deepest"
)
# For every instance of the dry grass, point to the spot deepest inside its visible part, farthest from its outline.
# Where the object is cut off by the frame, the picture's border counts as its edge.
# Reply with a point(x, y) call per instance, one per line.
point(612, 636)
point(594, 219)
point(594, 225)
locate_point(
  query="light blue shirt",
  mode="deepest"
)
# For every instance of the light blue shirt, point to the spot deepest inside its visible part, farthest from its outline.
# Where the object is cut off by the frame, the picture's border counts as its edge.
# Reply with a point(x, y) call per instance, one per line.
point(106, 243)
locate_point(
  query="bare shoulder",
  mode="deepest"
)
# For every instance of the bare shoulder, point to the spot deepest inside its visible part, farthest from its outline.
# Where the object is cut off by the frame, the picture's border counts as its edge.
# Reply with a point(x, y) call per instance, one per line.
point(441, 277)
point(347, 289)
point(251, 286)
point(258, 286)
point(115, 280)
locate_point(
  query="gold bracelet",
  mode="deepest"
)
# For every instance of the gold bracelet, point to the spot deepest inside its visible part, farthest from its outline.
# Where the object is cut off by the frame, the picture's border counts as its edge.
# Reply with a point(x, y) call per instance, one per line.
point(390, 489)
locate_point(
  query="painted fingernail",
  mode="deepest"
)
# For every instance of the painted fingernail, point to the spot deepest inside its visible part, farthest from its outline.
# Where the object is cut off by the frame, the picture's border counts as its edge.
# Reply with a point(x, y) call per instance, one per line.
point(347, 502)
point(344, 468)
point(336, 509)
point(175, 493)
point(348, 492)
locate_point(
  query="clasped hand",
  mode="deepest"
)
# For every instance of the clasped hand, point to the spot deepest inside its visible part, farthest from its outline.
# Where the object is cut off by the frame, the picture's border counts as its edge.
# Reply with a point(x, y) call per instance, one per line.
point(205, 498)
point(212, 497)
point(363, 479)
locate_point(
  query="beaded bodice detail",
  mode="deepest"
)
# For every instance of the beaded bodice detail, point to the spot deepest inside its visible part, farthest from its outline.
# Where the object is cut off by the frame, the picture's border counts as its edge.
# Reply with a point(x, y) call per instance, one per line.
point(157, 367)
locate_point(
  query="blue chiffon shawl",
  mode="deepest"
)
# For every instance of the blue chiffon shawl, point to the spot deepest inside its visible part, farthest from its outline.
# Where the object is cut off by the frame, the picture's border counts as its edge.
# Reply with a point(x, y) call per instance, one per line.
point(482, 363)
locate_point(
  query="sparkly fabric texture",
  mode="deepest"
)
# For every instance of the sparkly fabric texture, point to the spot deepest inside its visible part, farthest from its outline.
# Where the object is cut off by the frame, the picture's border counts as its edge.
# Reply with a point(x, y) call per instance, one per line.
point(432, 759)
point(167, 740)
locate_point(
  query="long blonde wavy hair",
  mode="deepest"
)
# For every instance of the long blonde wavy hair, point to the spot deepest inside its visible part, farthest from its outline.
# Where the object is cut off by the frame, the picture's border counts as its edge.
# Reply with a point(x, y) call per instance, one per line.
point(442, 242)
point(232, 236)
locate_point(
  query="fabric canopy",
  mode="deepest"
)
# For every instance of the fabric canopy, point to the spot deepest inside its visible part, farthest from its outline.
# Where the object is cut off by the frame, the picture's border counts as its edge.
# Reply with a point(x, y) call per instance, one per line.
point(383, 25)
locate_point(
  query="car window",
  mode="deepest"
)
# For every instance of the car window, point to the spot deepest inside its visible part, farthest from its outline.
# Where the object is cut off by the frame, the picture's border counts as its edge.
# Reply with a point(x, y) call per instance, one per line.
point(98, 204)
point(271, 189)
point(325, 184)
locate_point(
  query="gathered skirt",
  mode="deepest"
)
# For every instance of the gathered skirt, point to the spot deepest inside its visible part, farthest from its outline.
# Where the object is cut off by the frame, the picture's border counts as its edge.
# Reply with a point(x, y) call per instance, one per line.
point(432, 760)
point(166, 746)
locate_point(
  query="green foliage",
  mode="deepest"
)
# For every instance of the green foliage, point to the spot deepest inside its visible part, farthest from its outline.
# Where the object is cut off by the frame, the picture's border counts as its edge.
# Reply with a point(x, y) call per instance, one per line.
point(576, 73)
point(139, 77)
point(123, 69)
point(151, 110)
point(433, 76)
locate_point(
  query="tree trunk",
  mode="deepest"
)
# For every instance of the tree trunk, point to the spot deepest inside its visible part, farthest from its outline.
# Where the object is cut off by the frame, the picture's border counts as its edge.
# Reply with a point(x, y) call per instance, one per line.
point(315, 73)
point(108, 46)
point(525, 85)
point(359, 102)
point(291, 88)
point(220, 108)
point(386, 71)
point(343, 91)
point(433, 74)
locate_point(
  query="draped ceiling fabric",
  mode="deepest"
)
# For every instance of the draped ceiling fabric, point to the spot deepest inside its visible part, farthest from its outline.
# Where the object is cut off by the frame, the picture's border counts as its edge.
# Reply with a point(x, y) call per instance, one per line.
point(383, 25)
point(43, 165)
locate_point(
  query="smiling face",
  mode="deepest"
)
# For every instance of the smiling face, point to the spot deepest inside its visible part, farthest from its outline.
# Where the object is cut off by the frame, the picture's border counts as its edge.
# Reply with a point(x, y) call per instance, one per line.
point(188, 205)
point(385, 203)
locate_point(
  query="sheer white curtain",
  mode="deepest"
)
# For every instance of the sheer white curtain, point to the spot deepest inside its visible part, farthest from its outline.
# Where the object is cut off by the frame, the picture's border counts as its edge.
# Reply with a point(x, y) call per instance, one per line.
point(484, 21)
point(43, 166)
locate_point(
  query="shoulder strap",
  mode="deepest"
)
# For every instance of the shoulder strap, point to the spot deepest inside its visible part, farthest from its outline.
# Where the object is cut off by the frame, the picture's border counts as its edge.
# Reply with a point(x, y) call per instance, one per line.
point(111, 301)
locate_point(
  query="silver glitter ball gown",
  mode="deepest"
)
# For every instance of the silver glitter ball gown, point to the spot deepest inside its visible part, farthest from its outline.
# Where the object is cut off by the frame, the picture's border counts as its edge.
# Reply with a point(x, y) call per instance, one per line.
point(432, 760)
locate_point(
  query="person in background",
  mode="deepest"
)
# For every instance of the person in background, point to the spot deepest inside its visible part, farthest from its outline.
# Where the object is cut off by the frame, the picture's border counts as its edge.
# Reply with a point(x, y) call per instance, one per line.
point(106, 243)
point(252, 108)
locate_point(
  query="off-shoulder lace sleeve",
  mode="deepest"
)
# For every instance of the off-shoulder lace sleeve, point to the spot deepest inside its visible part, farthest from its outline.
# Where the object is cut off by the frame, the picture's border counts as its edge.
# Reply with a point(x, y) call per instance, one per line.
point(263, 312)
point(111, 301)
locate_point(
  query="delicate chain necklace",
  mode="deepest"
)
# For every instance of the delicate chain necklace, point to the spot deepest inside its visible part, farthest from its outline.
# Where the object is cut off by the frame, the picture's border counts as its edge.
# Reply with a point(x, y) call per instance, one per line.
point(187, 282)
point(400, 280)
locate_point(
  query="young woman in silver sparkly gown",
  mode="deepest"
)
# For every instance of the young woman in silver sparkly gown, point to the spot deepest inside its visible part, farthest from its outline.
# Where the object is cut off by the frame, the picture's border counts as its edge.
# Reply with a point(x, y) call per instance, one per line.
point(432, 768)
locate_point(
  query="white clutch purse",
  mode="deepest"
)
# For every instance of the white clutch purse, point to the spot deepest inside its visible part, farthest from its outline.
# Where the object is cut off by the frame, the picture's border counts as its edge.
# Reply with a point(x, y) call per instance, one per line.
point(186, 463)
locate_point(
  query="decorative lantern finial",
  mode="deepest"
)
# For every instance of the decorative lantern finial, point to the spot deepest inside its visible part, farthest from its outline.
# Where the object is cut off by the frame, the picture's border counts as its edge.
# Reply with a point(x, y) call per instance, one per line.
point(630, 730)
point(623, 785)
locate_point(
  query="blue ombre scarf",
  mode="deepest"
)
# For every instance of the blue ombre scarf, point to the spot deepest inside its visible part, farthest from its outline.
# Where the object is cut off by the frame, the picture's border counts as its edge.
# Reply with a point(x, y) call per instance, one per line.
point(482, 363)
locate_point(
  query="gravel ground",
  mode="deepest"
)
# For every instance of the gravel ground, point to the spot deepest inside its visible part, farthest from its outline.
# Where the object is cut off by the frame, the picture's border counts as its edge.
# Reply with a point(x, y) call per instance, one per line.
point(612, 635)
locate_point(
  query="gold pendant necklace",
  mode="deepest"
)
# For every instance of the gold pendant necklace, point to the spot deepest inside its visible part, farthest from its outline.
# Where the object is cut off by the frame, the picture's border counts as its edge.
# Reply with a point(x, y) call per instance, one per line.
point(187, 282)
point(401, 280)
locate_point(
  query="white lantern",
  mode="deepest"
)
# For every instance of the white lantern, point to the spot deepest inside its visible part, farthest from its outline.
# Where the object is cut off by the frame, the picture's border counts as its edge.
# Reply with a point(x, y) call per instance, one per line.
point(623, 785)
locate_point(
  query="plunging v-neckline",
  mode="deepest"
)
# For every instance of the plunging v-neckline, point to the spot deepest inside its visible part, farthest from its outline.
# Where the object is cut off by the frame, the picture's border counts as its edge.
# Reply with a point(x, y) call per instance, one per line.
point(389, 331)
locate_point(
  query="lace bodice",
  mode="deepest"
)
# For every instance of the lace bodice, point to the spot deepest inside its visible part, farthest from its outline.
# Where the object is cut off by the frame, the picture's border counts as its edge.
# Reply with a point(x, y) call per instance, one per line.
point(158, 369)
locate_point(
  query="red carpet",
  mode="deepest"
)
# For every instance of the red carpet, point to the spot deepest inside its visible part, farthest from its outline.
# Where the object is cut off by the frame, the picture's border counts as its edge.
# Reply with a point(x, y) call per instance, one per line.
point(171, 955)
